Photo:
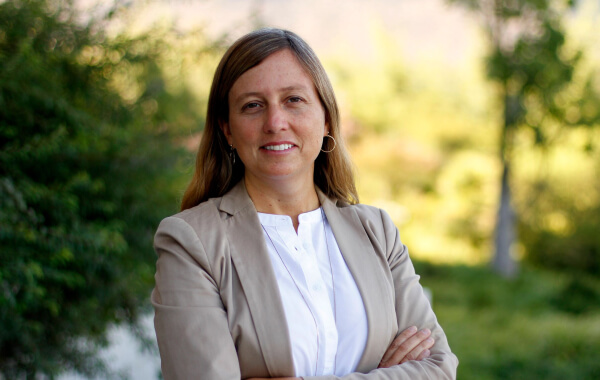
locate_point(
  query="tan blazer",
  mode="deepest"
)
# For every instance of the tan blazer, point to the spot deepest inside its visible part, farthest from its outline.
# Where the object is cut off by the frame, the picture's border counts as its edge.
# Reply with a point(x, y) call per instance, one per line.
point(218, 313)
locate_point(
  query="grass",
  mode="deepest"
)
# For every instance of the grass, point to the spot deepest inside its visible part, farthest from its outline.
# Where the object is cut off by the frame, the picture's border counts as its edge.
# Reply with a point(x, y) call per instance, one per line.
point(541, 325)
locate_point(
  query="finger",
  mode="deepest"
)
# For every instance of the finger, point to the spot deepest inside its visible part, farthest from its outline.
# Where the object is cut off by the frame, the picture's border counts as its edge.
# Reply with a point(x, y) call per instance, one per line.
point(404, 351)
point(416, 352)
point(402, 345)
point(397, 342)
point(424, 355)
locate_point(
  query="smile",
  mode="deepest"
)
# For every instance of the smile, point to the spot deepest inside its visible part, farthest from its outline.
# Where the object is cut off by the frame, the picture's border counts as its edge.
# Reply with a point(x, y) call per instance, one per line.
point(278, 147)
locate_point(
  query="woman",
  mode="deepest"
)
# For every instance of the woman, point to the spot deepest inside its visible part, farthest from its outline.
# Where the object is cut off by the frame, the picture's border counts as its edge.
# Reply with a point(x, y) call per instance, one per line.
point(273, 269)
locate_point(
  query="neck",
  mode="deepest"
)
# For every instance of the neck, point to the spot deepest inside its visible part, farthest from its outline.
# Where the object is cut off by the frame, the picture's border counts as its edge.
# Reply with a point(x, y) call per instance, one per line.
point(283, 198)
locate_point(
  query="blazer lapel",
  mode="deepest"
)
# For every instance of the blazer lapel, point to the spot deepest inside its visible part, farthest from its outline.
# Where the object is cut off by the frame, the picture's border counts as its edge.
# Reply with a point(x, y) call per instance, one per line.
point(360, 256)
point(253, 265)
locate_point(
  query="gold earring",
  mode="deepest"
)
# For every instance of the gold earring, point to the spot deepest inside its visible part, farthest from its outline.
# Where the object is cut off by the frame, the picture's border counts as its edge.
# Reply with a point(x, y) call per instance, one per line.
point(334, 144)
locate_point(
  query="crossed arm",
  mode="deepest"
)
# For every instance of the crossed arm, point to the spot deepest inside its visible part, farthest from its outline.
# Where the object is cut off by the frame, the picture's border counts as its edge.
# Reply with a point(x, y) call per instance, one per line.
point(410, 344)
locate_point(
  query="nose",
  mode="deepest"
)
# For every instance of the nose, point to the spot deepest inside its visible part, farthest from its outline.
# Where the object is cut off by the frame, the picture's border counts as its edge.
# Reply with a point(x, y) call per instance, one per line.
point(276, 120)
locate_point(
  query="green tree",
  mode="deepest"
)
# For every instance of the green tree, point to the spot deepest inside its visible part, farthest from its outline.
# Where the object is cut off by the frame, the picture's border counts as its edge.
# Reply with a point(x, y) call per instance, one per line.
point(87, 151)
point(531, 68)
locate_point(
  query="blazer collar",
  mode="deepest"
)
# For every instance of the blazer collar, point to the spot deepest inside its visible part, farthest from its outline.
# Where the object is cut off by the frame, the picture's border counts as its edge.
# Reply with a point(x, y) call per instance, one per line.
point(363, 262)
point(237, 199)
point(253, 265)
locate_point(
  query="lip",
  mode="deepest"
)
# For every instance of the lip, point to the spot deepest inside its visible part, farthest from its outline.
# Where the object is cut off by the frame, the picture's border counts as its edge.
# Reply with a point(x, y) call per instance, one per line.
point(278, 146)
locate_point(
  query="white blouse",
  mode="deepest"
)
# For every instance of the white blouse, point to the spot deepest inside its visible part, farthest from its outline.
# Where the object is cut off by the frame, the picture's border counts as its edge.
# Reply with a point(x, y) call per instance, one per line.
point(323, 307)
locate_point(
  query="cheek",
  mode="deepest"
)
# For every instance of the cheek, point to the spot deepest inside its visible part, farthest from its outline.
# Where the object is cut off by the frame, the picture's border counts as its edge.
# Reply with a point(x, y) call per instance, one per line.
point(318, 139)
point(240, 132)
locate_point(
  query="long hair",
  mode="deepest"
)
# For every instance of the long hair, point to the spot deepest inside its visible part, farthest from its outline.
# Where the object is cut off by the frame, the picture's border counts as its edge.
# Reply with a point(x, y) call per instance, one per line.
point(215, 172)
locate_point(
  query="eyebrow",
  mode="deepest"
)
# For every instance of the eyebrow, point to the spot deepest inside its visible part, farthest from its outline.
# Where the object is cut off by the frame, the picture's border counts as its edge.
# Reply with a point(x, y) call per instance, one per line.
point(256, 93)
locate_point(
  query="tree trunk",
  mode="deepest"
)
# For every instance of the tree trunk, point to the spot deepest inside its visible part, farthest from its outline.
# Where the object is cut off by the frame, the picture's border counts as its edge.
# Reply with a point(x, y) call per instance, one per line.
point(503, 262)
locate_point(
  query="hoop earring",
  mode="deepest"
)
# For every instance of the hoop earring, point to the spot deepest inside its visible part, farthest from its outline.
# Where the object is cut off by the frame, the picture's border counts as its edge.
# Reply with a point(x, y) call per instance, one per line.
point(334, 145)
point(232, 154)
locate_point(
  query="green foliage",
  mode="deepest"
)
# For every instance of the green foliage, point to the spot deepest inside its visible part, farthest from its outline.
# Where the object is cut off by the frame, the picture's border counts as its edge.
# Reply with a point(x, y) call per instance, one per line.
point(529, 58)
point(422, 147)
point(86, 156)
point(543, 88)
point(560, 235)
point(519, 329)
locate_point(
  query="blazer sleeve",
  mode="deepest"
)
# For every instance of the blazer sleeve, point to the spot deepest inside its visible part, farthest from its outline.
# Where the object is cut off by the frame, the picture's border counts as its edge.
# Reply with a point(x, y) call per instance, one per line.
point(190, 319)
point(412, 308)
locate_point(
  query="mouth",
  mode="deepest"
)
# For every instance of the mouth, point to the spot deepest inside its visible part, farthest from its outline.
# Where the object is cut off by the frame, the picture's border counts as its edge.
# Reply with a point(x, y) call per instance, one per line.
point(278, 147)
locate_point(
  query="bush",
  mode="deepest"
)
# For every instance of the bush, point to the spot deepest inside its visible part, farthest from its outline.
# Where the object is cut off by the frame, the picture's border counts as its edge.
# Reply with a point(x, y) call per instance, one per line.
point(86, 174)
point(524, 328)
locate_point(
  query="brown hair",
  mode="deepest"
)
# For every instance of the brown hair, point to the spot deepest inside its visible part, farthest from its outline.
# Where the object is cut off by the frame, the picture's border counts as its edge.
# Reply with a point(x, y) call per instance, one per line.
point(215, 173)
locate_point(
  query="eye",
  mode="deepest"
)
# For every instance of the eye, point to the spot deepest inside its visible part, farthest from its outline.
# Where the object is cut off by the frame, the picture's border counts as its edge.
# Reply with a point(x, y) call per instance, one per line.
point(250, 106)
point(295, 99)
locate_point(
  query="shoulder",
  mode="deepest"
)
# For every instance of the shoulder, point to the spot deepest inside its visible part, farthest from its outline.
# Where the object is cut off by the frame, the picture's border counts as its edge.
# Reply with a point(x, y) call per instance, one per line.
point(198, 223)
point(370, 215)
point(194, 215)
point(367, 211)
point(194, 238)
point(375, 222)
point(210, 222)
point(197, 214)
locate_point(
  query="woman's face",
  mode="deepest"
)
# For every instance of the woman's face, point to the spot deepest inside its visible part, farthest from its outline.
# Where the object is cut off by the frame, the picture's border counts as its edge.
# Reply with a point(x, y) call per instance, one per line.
point(276, 120)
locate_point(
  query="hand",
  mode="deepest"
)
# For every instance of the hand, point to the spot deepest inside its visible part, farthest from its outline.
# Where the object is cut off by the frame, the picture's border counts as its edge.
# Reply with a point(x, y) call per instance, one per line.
point(409, 345)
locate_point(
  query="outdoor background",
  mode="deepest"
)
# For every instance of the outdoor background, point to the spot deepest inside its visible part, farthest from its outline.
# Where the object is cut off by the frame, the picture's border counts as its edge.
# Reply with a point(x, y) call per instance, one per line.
point(473, 123)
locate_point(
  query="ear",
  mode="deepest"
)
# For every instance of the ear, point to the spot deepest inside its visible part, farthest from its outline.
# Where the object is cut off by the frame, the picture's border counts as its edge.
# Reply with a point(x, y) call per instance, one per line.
point(326, 129)
point(226, 131)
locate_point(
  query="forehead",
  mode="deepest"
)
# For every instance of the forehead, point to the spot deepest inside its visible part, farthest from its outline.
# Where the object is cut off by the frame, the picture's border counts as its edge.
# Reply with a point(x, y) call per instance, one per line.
point(279, 70)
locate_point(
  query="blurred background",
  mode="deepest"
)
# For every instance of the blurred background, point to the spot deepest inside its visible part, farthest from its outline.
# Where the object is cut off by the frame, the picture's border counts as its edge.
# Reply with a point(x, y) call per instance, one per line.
point(473, 123)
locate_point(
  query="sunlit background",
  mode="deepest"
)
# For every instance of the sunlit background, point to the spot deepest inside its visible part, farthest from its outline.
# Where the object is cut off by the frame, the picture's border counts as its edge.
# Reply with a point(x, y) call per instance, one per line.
point(438, 99)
